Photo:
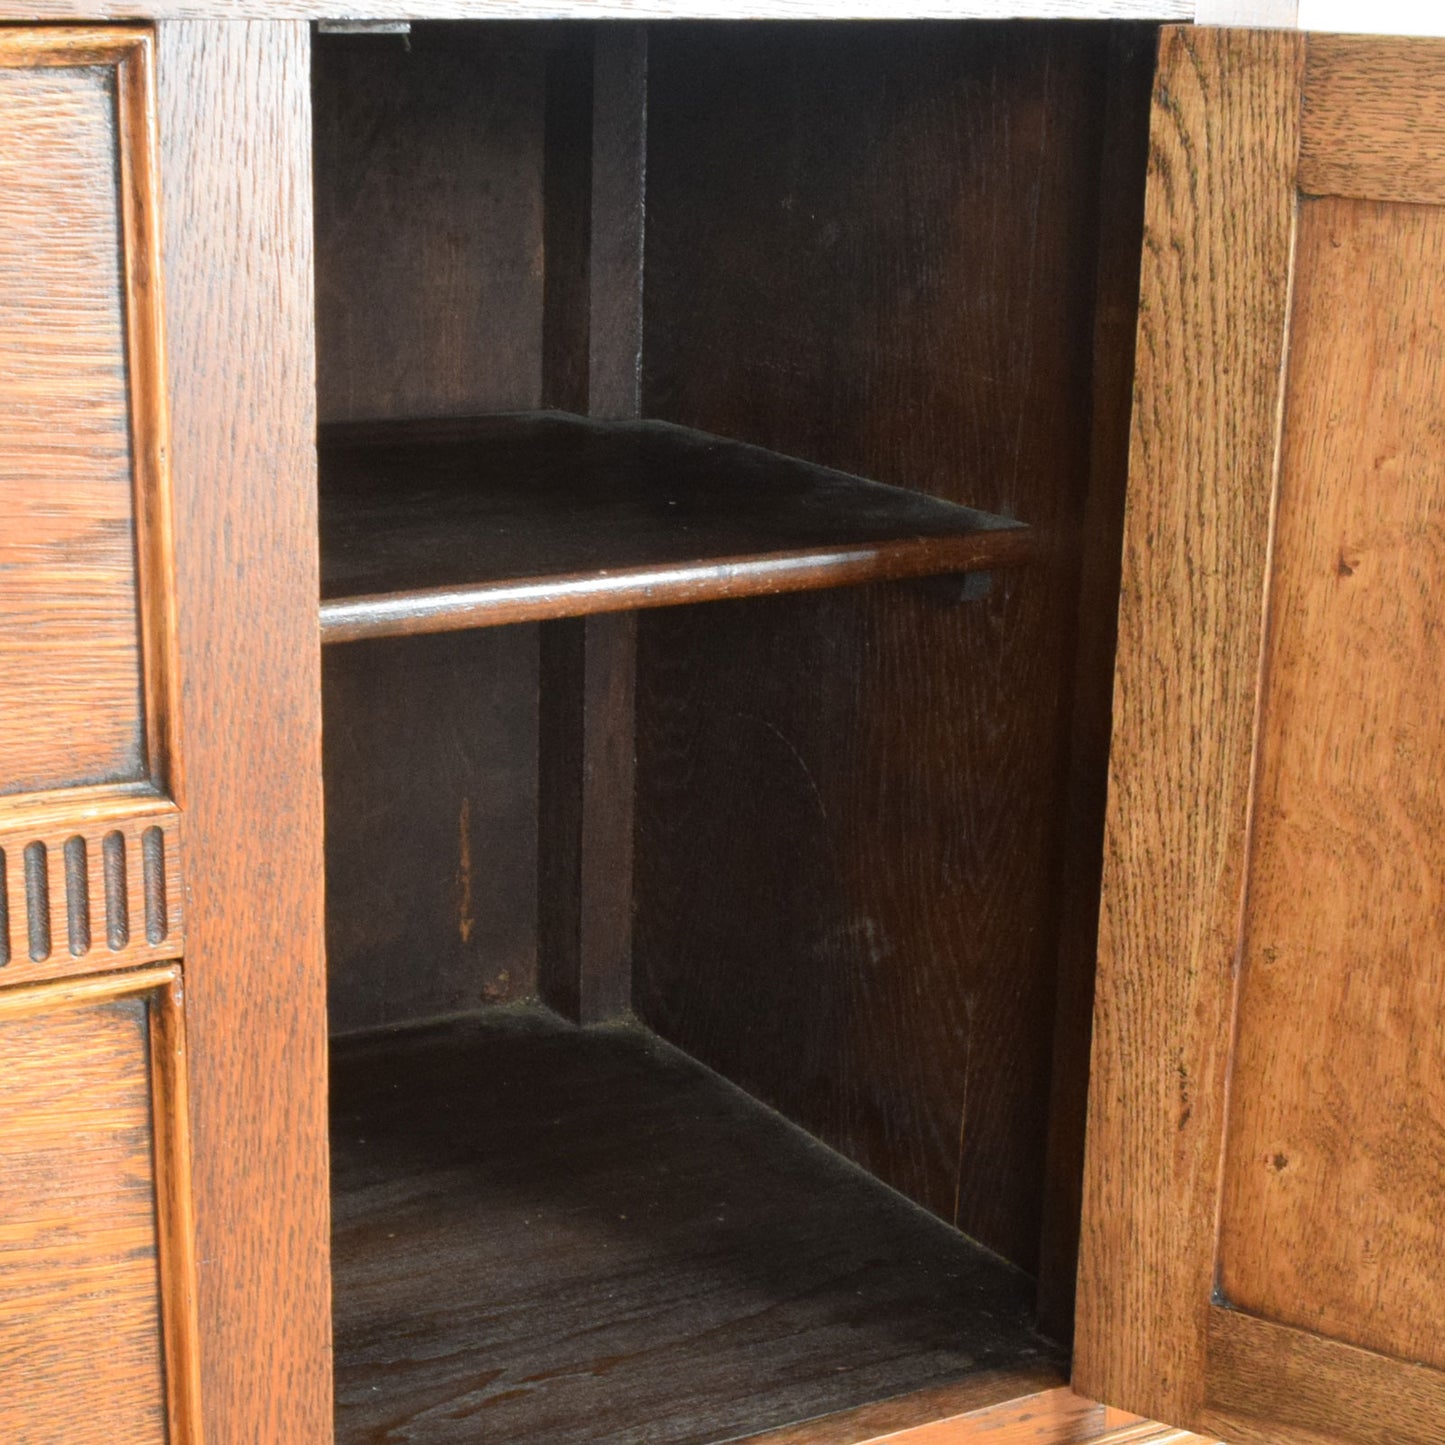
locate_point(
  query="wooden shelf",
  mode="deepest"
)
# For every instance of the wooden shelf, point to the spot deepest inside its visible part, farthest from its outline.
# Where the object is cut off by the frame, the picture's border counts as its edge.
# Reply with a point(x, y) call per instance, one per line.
point(581, 1236)
point(441, 525)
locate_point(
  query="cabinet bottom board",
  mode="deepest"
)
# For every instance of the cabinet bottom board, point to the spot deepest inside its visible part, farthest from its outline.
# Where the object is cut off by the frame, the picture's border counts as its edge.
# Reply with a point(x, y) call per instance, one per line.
point(544, 1233)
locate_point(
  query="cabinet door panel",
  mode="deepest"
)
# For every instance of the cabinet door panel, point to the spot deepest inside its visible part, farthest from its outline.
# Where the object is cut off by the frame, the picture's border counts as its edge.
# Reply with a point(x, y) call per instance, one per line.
point(93, 1263)
point(83, 677)
point(1265, 1237)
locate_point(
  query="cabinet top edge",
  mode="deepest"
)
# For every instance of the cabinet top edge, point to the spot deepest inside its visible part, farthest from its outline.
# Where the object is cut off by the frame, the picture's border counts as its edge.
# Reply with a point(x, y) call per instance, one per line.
point(16, 11)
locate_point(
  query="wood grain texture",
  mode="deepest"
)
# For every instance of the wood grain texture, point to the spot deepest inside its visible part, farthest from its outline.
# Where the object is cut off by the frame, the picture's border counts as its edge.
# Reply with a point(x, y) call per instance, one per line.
point(1044, 1416)
point(1273, 1385)
point(619, 1248)
point(429, 217)
point(603, 9)
point(899, 1418)
point(585, 793)
point(849, 822)
point(80, 1300)
point(1335, 1162)
point(1218, 235)
point(84, 560)
point(1270, 1383)
point(1374, 119)
point(109, 894)
point(431, 825)
point(175, 1211)
point(235, 152)
point(440, 525)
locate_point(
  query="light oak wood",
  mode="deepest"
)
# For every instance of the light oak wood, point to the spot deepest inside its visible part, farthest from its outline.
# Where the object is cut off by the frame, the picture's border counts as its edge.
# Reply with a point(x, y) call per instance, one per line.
point(235, 167)
point(95, 1254)
point(1332, 1213)
point(87, 656)
point(1266, 1114)
point(1045, 1416)
point(1219, 231)
point(1264, 1375)
point(1374, 119)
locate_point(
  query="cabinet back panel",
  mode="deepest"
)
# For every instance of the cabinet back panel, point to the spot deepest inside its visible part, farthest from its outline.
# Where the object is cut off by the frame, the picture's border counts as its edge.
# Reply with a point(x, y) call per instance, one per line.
point(429, 262)
point(1338, 1101)
point(429, 178)
point(430, 776)
point(71, 691)
point(874, 248)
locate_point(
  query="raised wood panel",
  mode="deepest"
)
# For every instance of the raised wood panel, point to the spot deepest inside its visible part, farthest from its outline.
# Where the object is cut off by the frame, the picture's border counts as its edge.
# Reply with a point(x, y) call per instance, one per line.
point(85, 652)
point(90, 895)
point(236, 174)
point(1335, 1174)
point(95, 1287)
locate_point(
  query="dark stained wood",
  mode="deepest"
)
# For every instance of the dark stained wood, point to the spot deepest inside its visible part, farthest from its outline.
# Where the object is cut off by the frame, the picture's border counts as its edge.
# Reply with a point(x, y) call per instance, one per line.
point(438, 292)
point(437, 526)
point(235, 168)
point(1121, 223)
point(429, 221)
point(1334, 1174)
point(1373, 125)
point(1220, 216)
point(581, 1236)
point(586, 746)
point(431, 825)
point(80, 1309)
point(619, 193)
point(86, 655)
point(849, 825)
point(586, 787)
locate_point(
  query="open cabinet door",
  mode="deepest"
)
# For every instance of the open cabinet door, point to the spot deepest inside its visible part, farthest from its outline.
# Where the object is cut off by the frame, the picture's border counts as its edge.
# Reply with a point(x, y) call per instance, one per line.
point(1264, 1225)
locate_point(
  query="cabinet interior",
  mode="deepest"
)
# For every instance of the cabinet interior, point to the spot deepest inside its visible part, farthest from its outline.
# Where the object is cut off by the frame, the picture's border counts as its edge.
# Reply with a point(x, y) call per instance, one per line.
point(712, 839)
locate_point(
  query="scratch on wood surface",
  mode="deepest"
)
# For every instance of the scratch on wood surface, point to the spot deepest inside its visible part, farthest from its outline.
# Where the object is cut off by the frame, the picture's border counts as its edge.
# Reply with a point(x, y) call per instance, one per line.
point(465, 921)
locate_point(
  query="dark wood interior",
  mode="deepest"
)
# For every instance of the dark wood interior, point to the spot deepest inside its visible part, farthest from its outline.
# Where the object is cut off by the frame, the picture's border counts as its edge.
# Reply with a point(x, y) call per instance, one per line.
point(440, 526)
point(581, 1236)
point(842, 846)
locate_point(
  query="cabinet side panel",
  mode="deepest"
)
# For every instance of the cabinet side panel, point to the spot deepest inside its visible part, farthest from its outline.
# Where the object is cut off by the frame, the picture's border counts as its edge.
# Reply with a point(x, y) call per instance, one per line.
point(1219, 221)
point(80, 1315)
point(1335, 1165)
point(71, 694)
point(235, 147)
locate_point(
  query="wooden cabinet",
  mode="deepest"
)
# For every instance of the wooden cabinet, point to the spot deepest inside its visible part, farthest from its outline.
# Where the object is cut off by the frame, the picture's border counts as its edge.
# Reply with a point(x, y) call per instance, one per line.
point(668, 483)
point(1263, 1215)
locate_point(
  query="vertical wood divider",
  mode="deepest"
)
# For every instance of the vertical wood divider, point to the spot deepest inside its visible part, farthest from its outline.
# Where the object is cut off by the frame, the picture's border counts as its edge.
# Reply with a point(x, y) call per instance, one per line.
point(235, 128)
point(588, 667)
